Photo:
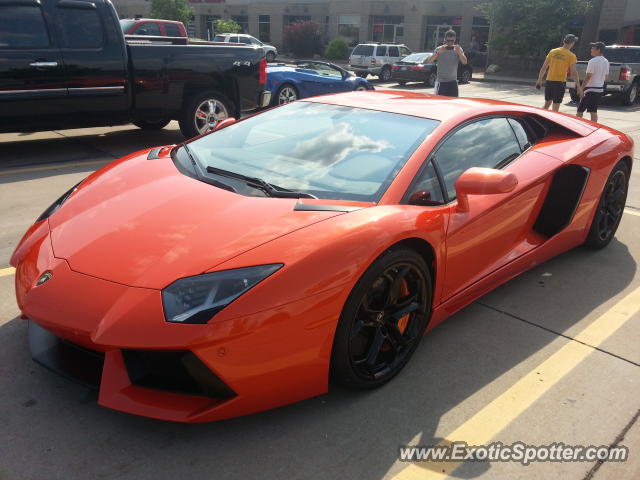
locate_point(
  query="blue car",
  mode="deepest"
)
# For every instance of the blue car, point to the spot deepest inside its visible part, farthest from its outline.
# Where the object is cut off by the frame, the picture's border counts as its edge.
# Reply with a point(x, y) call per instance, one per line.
point(309, 78)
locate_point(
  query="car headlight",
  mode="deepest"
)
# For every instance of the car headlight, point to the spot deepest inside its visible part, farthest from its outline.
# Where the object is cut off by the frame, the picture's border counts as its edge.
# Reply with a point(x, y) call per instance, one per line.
point(197, 299)
point(58, 203)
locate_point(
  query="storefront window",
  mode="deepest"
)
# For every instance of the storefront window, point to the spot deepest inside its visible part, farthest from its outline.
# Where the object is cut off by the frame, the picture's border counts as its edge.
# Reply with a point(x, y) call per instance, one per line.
point(436, 28)
point(388, 29)
point(480, 30)
point(264, 28)
point(349, 28)
point(243, 21)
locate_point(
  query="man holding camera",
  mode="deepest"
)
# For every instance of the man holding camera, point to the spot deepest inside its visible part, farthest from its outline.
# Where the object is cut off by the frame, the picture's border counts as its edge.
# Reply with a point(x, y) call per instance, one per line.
point(559, 61)
point(448, 57)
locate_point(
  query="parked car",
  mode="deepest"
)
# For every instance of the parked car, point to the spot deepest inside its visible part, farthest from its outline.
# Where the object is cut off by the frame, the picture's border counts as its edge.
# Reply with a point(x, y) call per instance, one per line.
point(308, 78)
point(270, 51)
point(414, 68)
point(309, 244)
point(376, 59)
point(65, 66)
point(624, 73)
point(153, 27)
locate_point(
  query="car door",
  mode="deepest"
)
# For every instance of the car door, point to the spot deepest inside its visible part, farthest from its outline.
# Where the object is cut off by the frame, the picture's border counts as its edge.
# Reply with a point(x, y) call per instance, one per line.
point(497, 228)
point(94, 63)
point(33, 92)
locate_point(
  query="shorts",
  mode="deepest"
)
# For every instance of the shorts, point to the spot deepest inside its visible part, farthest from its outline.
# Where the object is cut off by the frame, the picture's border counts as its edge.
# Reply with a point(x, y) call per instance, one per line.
point(590, 102)
point(554, 91)
point(448, 89)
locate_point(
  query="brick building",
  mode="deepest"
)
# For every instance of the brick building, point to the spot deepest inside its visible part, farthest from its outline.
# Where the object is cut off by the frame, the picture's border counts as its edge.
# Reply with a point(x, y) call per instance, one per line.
point(420, 24)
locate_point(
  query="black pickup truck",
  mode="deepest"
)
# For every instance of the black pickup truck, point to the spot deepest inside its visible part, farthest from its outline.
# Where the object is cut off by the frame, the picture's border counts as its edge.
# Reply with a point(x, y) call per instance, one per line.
point(66, 64)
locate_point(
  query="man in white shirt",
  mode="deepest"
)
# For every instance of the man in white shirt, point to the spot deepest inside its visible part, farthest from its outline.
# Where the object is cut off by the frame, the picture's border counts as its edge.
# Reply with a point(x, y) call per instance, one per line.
point(593, 83)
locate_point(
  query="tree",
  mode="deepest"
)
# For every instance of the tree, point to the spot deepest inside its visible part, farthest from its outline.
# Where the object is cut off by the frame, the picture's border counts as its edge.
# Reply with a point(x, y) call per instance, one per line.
point(532, 27)
point(337, 49)
point(227, 26)
point(303, 38)
point(171, 10)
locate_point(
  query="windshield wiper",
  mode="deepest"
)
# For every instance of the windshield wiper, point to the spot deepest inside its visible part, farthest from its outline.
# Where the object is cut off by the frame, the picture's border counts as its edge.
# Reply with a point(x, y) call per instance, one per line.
point(268, 188)
point(210, 181)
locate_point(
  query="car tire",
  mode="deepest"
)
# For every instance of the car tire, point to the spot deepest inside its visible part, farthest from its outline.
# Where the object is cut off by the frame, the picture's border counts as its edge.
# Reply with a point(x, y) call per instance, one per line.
point(574, 95)
point(466, 76)
point(385, 74)
point(371, 345)
point(431, 79)
point(631, 95)
point(402, 83)
point(610, 207)
point(151, 125)
point(271, 57)
point(360, 88)
point(196, 118)
point(287, 93)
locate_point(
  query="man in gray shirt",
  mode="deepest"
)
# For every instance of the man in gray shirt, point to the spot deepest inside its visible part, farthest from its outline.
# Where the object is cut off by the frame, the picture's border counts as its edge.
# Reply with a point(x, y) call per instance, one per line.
point(448, 56)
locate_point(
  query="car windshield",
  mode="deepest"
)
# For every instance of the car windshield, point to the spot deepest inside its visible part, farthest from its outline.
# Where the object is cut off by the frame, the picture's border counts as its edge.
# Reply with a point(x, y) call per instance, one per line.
point(416, 57)
point(126, 25)
point(329, 151)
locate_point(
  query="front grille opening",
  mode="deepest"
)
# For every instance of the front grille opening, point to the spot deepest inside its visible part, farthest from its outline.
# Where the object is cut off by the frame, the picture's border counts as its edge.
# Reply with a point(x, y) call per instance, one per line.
point(178, 371)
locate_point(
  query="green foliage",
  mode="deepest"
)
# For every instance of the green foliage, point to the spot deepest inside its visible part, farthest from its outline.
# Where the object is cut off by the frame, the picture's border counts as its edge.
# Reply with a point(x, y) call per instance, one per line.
point(171, 10)
point(337, 49)
point(533, 27)
point(227, 26)
point(303, 38)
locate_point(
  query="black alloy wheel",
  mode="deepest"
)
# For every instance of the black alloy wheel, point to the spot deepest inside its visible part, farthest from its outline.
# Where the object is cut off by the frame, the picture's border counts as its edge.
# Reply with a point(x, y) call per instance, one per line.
point(610, 207)
point(385, 74)
point(383, 321)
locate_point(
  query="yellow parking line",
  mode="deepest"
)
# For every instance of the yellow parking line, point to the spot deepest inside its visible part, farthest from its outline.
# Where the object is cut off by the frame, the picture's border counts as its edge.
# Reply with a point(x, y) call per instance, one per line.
point(503, 410)
point(4, 272)
point(631, 211)
point(56, 166)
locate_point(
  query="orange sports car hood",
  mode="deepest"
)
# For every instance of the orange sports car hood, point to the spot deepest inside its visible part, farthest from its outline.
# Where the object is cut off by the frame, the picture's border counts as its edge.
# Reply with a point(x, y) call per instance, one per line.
point(142, 223)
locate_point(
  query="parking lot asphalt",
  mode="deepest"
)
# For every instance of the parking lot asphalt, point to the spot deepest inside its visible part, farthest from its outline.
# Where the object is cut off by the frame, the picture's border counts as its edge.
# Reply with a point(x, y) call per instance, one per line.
point(551, 356)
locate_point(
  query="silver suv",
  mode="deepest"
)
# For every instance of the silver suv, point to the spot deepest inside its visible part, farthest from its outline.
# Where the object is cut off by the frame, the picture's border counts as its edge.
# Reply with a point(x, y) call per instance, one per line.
point(270, 51)
point(376, 59)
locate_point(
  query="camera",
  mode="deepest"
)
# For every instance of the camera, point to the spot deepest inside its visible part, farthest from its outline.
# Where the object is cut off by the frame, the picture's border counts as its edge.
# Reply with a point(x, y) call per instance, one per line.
point(449, 47)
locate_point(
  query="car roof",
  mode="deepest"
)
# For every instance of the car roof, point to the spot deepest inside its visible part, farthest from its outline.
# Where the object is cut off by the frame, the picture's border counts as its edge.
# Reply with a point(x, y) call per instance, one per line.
point(448, 110)
point(151, 20)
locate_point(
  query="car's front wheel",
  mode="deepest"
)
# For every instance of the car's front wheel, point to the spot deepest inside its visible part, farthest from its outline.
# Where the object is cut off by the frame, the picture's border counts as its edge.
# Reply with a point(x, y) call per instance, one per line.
point(631, 95)
point(610, 207)
point(382, 321)
point(287, 93)
point(385, 74)
point(203, 112)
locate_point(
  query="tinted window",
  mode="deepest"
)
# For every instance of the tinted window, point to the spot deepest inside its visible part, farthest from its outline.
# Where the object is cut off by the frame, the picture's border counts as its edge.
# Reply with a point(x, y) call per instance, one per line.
point(381, 52)
point(622, 55)
point(486, 143)
point(521, 133)
point(428, 180)
point(404, 51)
point(365, 50)
point(329, 151)
point(22, 26)
point(172, 30)
point(81, 28)
point(233, 39)
point(394, 52)
point(148, 28)
point(219, 38)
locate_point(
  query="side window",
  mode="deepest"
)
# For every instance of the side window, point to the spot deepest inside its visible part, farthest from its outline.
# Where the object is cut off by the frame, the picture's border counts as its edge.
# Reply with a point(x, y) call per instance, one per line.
point(172, 30)
point(394, 52)
point(149, 28)
point(427, 181)
point(521, 133)
point(488, 143)
point(404, 51)
point(381, 51)
point(233, 39)
point(22, 26)
point(81, 27)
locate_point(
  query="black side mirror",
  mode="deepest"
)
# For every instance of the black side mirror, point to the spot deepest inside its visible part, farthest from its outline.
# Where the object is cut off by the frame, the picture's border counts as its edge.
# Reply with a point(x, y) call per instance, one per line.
point(422, 198)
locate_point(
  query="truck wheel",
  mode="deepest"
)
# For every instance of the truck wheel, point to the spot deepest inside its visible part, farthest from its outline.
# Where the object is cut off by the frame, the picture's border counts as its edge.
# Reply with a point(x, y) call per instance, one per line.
point(574, 95)
point(631, 95)
point(151, 125)
point(203, 112)
point(271, 57)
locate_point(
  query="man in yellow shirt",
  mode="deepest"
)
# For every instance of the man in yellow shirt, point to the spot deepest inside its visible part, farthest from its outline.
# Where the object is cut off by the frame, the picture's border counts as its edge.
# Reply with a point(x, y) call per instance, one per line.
point(559, 61)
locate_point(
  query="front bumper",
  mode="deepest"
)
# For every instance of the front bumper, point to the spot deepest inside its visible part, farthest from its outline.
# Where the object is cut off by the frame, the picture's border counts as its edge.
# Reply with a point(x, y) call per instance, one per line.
point(608, 88)
point(114, 337)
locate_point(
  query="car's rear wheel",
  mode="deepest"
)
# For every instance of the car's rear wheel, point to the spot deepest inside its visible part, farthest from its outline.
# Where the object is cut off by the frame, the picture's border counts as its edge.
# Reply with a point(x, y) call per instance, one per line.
point(610, 208)
point(631, 95)
point(152, 125)
point(385, 74)
point(270, 57)
point(402, 83)
point(360, 88)
point(287, 93)
point(382, 321)
point(466, 76)
point(203, 113)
